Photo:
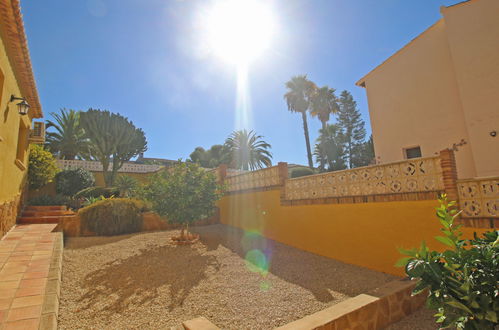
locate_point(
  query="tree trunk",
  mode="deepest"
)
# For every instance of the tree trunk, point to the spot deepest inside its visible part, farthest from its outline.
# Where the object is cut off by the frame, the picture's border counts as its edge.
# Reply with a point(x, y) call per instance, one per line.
point(307, 139)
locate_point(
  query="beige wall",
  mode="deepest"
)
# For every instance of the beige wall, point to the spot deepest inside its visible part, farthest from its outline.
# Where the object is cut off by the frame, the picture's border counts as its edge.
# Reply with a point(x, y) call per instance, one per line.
point(473, 38)
point(441, 88)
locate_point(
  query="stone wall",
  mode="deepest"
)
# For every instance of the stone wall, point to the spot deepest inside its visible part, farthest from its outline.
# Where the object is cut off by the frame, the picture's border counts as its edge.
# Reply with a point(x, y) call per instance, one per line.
point(8, 214)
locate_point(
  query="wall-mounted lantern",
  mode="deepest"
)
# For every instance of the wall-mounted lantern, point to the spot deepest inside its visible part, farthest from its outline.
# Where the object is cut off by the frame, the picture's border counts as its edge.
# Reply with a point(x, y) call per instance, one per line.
point(22, 107)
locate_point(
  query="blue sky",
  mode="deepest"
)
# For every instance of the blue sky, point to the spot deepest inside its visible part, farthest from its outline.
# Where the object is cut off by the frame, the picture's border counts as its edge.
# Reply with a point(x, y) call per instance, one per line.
point(141, 58)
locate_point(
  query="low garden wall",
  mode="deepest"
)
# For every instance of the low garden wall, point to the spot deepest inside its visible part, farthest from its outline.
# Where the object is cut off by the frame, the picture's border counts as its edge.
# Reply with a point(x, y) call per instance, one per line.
point(74, 227)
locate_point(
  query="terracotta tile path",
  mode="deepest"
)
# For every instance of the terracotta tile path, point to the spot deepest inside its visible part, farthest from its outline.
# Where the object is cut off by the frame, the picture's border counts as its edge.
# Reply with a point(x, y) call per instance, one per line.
point(30, 274)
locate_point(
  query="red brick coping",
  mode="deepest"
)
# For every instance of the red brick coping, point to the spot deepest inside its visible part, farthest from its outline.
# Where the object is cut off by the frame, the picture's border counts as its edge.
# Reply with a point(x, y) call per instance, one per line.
point(30, 275)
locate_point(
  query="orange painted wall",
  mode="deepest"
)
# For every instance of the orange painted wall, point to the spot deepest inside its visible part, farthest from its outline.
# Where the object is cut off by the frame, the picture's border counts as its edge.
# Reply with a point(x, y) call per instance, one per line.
point(364, 234)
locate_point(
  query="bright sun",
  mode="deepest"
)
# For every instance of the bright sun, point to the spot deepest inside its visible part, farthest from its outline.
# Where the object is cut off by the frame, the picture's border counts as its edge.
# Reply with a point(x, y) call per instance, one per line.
point(239, 30)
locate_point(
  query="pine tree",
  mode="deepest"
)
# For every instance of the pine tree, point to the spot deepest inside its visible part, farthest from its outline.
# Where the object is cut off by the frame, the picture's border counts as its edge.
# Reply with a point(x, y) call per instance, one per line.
point(352, 126)
point(365, 156)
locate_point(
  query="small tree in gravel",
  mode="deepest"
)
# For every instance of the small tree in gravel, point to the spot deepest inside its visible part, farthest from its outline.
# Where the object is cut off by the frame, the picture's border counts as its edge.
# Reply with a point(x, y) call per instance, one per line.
point(184, 193)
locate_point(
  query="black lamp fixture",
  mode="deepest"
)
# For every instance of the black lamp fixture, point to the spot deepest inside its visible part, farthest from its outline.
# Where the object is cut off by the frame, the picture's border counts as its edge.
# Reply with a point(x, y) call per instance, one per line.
point(23, 106)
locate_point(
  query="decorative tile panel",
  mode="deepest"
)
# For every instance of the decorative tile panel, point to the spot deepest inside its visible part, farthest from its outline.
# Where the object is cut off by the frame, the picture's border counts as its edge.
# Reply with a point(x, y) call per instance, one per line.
point(95, 166)
point(415, 175)
point(479, 197)
point(267, 177)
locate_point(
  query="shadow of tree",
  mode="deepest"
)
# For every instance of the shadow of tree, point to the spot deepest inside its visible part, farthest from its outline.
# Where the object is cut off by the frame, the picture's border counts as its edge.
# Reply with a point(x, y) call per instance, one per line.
point(137, 280)
point(317, 274)
point(84, 242)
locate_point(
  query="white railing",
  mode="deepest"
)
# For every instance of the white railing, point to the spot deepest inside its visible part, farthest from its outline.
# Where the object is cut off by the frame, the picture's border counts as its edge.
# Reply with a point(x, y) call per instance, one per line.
point(479, 197)
point(415, 175)
point(95, 166)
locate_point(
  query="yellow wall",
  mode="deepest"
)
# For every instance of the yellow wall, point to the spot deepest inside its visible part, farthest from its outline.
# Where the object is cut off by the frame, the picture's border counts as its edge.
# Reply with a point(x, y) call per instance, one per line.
point(440, 88)
point(364, 234)
point(12, 176)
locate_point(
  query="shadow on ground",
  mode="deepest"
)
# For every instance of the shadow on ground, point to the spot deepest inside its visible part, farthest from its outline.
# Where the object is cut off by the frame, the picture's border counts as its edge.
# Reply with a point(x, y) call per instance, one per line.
point(317, 274)
point(137, 280)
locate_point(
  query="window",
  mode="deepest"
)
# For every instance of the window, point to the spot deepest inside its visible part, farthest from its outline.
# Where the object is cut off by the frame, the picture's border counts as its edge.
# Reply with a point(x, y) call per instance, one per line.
point(414, 152)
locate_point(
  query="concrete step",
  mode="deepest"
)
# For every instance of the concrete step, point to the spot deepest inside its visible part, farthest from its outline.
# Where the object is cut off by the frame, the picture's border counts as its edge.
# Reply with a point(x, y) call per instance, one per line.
point(46, 213)
point(45, 208)
point(44, 219)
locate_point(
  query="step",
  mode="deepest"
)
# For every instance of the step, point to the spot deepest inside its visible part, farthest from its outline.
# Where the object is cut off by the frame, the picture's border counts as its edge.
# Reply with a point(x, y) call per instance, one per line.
point(46, 213)
point(45, 219)
point(45, 208)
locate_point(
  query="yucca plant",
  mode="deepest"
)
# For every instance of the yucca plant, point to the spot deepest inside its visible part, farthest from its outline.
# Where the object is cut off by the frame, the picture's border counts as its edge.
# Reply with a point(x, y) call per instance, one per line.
point(463, 280)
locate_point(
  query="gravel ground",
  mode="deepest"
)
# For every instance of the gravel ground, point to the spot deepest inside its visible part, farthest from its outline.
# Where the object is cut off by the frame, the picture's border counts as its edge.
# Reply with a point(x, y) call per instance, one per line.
point(142, 281)
point(422, 319)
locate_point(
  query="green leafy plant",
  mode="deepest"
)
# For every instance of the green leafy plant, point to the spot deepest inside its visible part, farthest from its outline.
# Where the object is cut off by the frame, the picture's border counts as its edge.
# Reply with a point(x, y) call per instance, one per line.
point(91, 200)
point(48, 200)
point(462, 280)
point(96, 192)
point(185, 193)
point(71, 181)
point(113, 216)
point(126, 185)
point(42, 167)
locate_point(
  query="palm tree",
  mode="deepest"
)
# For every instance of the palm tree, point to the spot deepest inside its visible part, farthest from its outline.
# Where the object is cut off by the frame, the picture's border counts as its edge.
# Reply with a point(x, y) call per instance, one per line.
point(323, 104)
point(328, 151)
point(68, 140)
point(249, 151)
point(298, 96)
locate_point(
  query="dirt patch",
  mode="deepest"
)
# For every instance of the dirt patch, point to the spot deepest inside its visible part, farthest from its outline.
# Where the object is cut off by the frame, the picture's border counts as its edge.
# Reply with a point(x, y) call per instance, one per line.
point(237, 280)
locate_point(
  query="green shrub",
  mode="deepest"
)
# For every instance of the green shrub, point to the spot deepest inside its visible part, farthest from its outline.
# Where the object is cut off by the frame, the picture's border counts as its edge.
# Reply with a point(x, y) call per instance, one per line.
point(47, 200)
point(95, 192)
point(41, 167)
point(71, 181)
point(113, 216)
point(184, 194)
point(462, 280)
point(301, 171)
point(126, 185)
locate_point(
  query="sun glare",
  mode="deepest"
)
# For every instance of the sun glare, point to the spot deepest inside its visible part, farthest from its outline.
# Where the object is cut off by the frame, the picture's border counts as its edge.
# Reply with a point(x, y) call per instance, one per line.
point(239, 30)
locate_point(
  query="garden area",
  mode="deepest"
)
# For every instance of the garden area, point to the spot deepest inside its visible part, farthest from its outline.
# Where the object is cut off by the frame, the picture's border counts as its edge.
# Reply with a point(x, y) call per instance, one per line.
point(145, 281)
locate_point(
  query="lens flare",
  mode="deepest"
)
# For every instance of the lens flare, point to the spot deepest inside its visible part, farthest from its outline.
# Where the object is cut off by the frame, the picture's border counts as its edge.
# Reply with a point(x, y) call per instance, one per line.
point(239, 30)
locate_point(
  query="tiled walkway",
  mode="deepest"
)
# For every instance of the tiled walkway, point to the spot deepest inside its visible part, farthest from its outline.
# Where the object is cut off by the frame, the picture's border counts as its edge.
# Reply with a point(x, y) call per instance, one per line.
point(30, 270)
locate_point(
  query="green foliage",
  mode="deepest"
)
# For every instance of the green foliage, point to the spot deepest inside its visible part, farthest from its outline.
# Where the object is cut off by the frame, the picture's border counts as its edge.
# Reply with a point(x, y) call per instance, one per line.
point(42, 167)
point(248, 150)
point(113, 140)
point(91, 200)
point(301, 171)
point(94, 192)
point(184, 193)
point(47, 200)
point(114, 216)
point(352, 129)
point(328, 149)
point(126, 185)
point(462, 280)
point(218, 154)
point(68, 140)
point(69, 182)
point(298, 97)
